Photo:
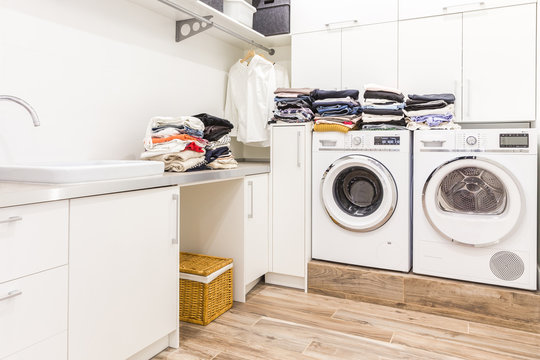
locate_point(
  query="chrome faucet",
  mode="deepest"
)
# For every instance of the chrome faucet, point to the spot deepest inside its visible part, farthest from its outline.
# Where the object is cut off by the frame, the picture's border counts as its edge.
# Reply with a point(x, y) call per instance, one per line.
point(25, 105)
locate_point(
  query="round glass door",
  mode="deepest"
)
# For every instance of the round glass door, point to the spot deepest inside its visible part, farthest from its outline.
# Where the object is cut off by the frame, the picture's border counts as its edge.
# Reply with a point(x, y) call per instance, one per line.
point(358, 193)
point(472, 201)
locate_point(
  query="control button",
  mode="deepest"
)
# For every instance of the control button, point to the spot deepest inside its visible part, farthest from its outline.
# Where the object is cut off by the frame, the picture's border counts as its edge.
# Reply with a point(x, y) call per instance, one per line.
point(471, 140)
point(356, 140)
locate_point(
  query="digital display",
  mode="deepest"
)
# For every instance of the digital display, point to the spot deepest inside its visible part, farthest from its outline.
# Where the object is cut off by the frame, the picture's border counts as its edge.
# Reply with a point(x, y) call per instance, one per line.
point(514, 140)
point(386, 140)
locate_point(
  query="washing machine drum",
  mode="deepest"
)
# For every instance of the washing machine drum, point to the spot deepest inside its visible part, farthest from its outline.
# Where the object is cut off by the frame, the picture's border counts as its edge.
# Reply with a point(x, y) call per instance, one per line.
point(472, 201)
point(358, 193)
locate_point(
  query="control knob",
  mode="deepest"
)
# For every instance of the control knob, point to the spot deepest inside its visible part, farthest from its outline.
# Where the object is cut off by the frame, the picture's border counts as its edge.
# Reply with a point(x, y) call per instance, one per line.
point(356, 140)
point(471, 140)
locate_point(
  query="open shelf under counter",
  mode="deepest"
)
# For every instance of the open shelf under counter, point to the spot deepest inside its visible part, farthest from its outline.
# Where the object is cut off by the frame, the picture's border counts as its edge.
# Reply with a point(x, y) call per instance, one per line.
point(219, 18)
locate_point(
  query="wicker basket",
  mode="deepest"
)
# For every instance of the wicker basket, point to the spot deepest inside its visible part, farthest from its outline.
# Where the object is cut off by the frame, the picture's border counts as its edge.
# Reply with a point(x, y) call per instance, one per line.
point(205, 287)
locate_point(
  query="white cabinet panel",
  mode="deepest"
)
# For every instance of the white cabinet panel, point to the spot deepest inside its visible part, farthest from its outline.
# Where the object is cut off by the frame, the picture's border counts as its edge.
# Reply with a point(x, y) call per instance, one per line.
point(54, 348)
point(316, 60)
point(288, 199)
point(256, 207)
point(409, 9)
point(123, 283)
point(37, 313)
point(369, 55)
point(499, 59)
point(313, 15)
point(430, 56)
point(33, 238)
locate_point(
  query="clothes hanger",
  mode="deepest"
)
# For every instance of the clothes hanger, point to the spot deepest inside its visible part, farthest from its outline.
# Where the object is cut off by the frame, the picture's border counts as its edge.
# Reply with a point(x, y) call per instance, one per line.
point(248, 56)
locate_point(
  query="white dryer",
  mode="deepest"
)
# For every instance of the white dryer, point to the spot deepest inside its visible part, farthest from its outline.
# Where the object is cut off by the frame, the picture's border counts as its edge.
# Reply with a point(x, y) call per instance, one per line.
point(361, 198)
point(474, 205)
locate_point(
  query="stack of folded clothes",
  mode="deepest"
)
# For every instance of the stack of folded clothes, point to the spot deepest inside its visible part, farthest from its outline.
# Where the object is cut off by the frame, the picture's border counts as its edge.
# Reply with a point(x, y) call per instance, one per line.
point(430, 111)
point(293, 105)
point(176, 141)
point(337, 110)
point(383, 105)
point(216, 132)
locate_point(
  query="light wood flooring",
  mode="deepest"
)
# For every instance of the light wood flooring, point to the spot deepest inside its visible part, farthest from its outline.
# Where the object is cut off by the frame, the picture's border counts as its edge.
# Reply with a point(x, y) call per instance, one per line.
point(282, 323)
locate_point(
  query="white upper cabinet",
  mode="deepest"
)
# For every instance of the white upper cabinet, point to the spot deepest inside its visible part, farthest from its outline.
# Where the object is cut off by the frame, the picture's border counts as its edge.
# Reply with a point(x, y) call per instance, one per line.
point(313, 15)
point(499, 61)
point(430, 56)
point(369, 55)
point(409, 9)
point(316, 60)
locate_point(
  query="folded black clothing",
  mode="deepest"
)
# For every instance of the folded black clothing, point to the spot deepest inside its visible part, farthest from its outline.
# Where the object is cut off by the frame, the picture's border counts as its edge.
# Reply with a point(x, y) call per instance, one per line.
point(318, 94)
point(401, 122)
point(449, 98)
point(209, 120)
point(386, 95)
point(199, 168)
point(213, 155)
point(284, 106)
point(430, 105)
point(383, 112)
point(215, 132)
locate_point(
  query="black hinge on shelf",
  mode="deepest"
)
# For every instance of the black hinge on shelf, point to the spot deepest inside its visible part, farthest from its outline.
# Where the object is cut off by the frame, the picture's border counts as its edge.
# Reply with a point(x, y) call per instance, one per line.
point(190, 27)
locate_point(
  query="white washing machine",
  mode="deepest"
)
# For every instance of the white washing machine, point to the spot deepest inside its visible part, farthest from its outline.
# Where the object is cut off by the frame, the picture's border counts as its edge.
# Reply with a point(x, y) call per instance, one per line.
point(474, 207)
point(361, 198)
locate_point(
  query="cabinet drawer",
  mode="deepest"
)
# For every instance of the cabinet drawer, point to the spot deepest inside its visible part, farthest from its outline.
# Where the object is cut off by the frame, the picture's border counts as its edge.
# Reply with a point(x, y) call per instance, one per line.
point(37, 313)
point(309, 15)
point(409, 9)
point(33, 238)
point(54, 348)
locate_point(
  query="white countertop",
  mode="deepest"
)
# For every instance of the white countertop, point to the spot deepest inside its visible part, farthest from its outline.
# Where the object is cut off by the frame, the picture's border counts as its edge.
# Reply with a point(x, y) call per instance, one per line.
point(13, 194)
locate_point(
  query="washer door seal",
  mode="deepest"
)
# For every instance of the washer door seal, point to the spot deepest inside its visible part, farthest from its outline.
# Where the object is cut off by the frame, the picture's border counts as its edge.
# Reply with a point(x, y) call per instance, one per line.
point(358, 193)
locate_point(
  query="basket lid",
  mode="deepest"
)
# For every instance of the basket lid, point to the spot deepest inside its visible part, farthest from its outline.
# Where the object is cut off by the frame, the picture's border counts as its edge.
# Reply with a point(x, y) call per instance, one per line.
point(202, 265)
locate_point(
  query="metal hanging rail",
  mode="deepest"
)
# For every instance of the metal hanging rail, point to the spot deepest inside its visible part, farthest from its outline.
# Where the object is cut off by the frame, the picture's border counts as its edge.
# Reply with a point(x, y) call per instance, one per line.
point(217, 26)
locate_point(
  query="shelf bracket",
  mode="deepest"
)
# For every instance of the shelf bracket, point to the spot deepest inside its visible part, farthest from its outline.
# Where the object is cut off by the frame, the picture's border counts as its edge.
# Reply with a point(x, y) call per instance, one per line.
point(190, 27)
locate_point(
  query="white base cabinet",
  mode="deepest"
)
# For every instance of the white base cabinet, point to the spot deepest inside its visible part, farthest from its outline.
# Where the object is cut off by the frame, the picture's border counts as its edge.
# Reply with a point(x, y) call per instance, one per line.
point(290, 201)
point(123, 281)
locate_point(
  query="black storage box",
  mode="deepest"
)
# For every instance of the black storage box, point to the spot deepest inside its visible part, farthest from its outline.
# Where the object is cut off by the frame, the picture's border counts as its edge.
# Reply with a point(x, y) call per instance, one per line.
point(273, 17)
point(216, 4)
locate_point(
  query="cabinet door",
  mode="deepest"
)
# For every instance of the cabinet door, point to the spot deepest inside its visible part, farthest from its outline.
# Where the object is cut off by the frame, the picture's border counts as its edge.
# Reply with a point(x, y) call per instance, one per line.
point(430, 56)
point(316, 60)
point(369, 55)
point(256, 207)
point(499, 62)
point(409, 9)
point(288, 199)
point(123, 274)
point(310, 15)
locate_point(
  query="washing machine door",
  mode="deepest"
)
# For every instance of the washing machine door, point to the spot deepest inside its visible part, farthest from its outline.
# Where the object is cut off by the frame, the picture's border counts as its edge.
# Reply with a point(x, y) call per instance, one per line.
point(358, 193)
point(472, 201)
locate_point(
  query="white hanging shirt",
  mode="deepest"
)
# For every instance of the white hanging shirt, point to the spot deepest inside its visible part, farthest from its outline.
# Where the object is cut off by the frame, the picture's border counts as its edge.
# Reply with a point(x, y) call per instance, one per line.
point(250, 100)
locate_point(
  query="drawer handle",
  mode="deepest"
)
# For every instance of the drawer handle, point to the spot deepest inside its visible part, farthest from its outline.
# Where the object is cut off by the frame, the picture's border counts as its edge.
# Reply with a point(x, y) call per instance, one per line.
point(481, 3)
point(11, 294)
point(11, 219)
point(354, 21)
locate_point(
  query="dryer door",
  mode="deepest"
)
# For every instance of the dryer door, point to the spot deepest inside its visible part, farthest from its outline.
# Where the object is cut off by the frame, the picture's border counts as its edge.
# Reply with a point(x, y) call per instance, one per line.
point(358, 193)
point(473, 201)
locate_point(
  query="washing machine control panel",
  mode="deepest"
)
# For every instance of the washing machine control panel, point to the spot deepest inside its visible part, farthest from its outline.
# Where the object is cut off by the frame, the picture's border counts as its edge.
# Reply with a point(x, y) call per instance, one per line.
point(386, 140)
point(516, 140)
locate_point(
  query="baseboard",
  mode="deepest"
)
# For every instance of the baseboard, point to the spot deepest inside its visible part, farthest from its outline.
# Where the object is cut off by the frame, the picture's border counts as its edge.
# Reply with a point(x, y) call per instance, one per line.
point(153, 349)
point(538, 277)
point(285, 280)
point(252, 284)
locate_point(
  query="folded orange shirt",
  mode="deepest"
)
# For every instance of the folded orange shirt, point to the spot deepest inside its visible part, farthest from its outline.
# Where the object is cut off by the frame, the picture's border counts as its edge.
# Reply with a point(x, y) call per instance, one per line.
point(184, 137)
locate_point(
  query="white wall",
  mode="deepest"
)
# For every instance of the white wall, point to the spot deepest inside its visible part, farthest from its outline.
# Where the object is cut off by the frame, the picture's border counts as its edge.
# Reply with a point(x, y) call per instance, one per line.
point(96, 71)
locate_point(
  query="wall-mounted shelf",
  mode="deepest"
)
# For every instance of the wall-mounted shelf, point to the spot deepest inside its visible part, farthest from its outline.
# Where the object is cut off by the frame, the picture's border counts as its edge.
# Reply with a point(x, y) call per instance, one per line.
point(219, 18)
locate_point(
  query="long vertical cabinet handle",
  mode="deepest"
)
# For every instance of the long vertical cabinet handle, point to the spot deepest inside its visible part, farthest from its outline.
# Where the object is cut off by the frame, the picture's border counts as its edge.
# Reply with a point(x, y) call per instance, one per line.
point(177, 218)
point(250, 184)
point(11, 294)
point(468, 111)
point(298, 162)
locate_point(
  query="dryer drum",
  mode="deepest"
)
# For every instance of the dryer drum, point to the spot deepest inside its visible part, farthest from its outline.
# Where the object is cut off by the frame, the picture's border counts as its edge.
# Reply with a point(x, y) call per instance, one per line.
point(472, 190)
point(358, 191)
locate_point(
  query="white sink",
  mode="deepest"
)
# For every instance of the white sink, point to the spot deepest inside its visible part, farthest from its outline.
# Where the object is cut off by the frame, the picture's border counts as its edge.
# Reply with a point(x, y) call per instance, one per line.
point(79, 171)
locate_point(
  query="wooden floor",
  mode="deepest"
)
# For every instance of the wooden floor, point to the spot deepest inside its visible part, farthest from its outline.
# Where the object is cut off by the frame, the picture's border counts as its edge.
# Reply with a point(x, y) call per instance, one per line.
point(282, 323)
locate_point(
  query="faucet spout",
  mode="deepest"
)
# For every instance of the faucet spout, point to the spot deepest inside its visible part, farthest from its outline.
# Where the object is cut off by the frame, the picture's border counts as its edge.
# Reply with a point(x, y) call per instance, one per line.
point(25, 105)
